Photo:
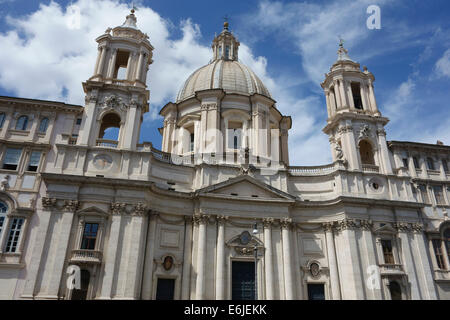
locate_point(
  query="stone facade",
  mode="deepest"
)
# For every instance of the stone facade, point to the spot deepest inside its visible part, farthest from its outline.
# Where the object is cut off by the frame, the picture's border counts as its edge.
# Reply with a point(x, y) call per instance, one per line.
point(371, 225)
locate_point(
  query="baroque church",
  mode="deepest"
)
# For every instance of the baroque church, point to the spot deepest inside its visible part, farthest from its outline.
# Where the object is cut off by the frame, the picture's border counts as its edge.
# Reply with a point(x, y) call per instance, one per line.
point(219, 212)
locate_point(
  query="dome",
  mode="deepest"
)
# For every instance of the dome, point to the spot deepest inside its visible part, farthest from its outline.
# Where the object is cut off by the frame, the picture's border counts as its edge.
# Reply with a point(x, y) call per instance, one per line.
point(229, 75)
point(224, 71)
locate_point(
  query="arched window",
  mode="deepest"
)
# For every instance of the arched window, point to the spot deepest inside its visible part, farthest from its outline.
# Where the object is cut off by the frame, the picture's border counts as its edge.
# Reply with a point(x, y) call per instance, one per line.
point(366, 153)
point(3, 211)
point(22, 123)
point(395, 290)
point(2, 119)
point(110, 127)
point(234, 135)
point(43, 125)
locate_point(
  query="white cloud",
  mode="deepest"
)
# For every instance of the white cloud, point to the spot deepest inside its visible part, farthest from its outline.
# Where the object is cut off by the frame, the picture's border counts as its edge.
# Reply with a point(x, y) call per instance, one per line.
point(442, 67)
point(48, 58)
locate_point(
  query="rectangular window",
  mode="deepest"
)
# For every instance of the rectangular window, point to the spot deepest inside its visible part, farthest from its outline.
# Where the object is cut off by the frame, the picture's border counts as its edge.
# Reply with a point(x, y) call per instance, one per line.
point(424, 193)
point(387, 251)
point(14, 235)
point(78, 121)
point(416, 163)
point(191, 144)
point(2, 221)
point(430, 164)
point(439, 195)
point(445, 165)
point(35, 158)
point(12, 157)
point(89, 236)
point(405, 162)
point(316, 291)
point(437, 246)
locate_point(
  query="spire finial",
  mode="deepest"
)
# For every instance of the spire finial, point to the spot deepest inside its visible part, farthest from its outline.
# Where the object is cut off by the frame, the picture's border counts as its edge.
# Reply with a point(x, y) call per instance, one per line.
point(341, 42)
point(342, 52)
point(226, 23)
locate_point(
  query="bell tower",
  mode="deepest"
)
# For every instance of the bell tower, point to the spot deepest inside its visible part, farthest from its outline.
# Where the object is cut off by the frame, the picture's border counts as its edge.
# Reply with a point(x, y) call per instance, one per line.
point(116, 94)
point(355, 126)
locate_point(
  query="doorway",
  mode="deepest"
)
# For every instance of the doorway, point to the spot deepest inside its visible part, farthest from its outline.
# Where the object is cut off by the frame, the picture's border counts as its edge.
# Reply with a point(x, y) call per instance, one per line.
point(165, 289)
point(243, 280)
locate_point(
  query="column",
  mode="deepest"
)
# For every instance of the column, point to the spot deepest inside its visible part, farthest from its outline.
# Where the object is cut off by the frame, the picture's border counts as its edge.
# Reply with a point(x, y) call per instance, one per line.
point(337, 92)
point(70, 207)
point(333, 102)
point(135, 261)
point(187, 257)
point(102, 61)
point(100, 49)
point(384, 151)
point(349, 261)
point(287, 263)
point(129, 62)
point(268, 257)
point(350, 95)
point(370, 256)
point(36, 253)
point(110, 256)
point(428, 285)
point(203, 127)
point(112, 64)
point(349, 145)
point(147, 279)
point(363, 97)
point(131, 130)
point(373, 101)
point(408, 262)
point(332, 262)
point(327, 98)
point(342, 93)
point(139, 66)
point(220, 271)
point(202, 220)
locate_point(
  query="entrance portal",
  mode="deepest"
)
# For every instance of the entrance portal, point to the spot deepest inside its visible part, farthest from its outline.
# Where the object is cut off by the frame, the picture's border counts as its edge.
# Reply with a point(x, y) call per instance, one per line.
point(243, 280)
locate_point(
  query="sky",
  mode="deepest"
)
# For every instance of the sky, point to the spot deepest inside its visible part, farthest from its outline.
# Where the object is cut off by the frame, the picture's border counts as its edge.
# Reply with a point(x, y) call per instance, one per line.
point(47, 50)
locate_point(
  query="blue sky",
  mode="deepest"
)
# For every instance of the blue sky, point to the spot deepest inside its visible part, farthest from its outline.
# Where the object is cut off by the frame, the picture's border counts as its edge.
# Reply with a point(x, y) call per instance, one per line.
point(289, 44)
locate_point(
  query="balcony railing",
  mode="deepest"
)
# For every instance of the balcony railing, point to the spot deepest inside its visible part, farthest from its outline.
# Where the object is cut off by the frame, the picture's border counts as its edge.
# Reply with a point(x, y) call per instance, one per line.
point(86, 256)
point(312, 171)
point(107, 143)
point(441, 275)
point(391, 268)
point(370, 168)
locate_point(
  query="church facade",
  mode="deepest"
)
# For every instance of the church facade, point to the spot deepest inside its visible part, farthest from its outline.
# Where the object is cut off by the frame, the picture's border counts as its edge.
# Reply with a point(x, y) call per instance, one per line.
point(219, 212)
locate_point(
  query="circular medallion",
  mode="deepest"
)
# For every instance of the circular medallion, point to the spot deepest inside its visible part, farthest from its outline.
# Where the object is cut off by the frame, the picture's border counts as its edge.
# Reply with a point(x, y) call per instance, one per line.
point(168, 263)
point(245, 237)
point(102, 161)
point(314, 268)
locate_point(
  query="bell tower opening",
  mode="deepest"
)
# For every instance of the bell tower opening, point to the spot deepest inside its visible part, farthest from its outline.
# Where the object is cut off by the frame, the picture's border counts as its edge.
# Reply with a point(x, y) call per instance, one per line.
point(356, 93)
point(110, 127)
point(120, 69)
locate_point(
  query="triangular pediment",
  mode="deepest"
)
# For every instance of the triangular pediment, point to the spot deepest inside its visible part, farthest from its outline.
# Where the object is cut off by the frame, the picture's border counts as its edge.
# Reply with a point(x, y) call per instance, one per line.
point(92, 211)
point(385, 228)
point(245, 186)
